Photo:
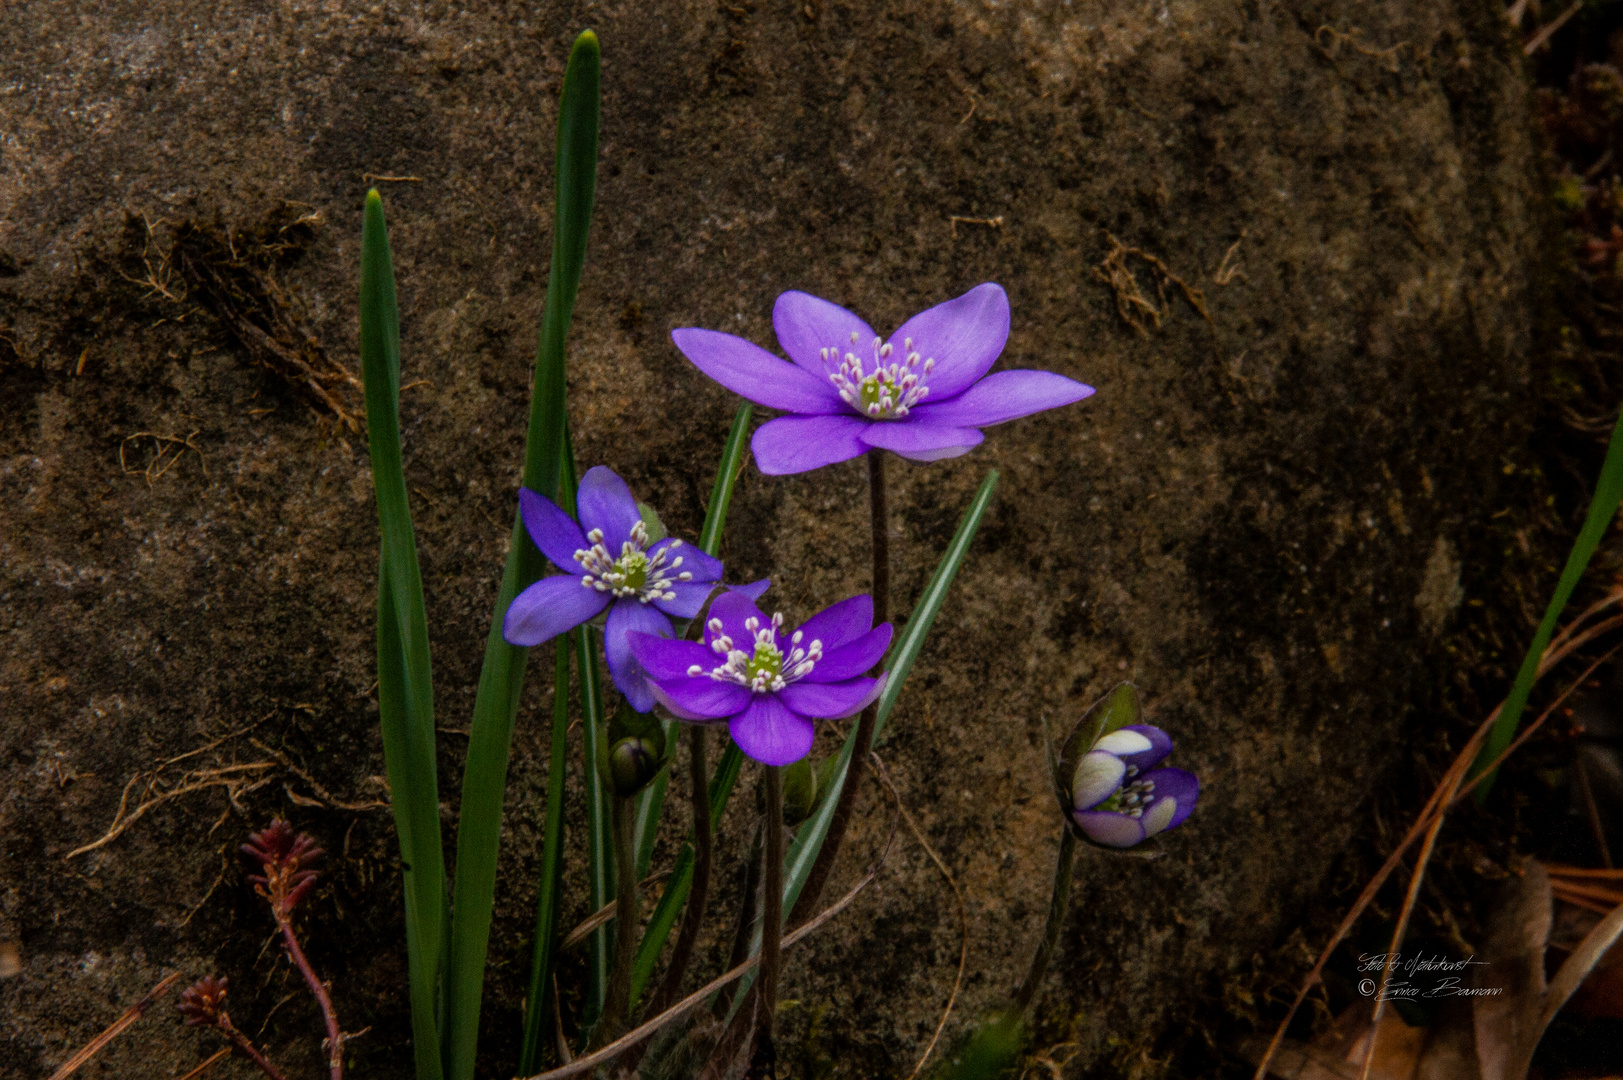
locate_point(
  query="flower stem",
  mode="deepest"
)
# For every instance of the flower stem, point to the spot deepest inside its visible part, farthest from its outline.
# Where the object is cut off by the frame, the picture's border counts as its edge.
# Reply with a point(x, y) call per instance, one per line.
point(698, 767)
point(746, 925)
point(245, 1046)
point(765, 1055)
point(1056, 919)
point(878, 519)
point(617, 997)
point(335, 1037)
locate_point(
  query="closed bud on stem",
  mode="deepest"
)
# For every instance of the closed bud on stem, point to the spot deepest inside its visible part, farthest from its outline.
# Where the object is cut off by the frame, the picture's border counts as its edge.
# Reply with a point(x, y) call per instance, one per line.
point(633, 762)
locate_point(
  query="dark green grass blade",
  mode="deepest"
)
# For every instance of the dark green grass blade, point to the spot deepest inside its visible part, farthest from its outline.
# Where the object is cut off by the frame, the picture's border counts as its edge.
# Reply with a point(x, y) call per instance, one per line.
point(405, 684)
point(904, 651)
point(501, 680)
point(734, 454)
point(1602, 509)
point(551, 875)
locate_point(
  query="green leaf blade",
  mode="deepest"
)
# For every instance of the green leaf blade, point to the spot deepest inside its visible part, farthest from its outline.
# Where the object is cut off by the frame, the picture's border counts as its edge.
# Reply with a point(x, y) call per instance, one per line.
point(405, 678)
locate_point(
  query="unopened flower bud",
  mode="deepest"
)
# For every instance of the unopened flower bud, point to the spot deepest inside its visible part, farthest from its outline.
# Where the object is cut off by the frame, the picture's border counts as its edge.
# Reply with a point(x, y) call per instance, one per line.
point(203, 1003)
point(632, 763)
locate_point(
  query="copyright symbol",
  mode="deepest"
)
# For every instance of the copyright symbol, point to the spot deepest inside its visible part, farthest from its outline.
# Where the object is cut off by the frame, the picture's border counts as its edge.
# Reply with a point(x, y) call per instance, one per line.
point(1366, 987)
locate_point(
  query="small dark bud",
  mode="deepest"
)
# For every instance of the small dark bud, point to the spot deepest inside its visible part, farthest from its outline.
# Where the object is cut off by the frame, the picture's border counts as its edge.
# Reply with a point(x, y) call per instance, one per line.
point(283, 857)
point(633, 762)
point(203, 1003)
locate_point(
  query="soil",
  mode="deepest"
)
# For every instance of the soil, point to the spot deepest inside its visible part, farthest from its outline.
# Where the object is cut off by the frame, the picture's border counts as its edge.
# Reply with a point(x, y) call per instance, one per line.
point(1299, 252)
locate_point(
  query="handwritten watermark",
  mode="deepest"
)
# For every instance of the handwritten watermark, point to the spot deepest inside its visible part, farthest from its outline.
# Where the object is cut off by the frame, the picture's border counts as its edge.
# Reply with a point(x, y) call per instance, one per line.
point(1423, 977)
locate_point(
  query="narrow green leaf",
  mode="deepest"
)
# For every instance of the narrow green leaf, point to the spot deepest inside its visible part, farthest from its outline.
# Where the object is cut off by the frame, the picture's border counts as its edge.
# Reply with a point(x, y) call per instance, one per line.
point(809, 840)
point(663, 921)
point(1602, 509)
point(551, 876)
point(501, 679)
point(405, 683)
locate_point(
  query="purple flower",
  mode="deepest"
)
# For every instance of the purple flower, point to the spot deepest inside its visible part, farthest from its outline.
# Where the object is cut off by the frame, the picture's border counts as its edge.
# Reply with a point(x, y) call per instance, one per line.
point(612, 565)
point(769, 684)
point(924, 394)
point(1118, 800)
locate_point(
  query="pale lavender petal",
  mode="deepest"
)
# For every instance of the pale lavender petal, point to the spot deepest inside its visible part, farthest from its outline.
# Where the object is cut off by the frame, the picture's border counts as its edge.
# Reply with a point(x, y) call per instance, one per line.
point(921, 442)
point(1000, 397)
point(734, 609)
point(829, 701)
point(553, 531)
point(1110, 829)
point(796, 444)
point(703, 567)
point(807, 324)
point(665, 658)
point(852, 659)
point(749, 370)
point(771, 733)
point(1172, 785)
point(701, 700)
point(963, 336)
point(1160, 746)
point(839, 623)
point(627, 615)
point(548, 608)
point(1098, 776)
point(605, 503)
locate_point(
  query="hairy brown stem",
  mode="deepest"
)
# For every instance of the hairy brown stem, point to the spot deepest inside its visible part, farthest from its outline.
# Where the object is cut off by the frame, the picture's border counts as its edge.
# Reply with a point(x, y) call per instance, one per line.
point(699, 895)
point(764, 1059)
point(617, 997)
point(335, 1037)
point(1056, 920)
point(879, 525)
point(246, 1047)
point(746, 923)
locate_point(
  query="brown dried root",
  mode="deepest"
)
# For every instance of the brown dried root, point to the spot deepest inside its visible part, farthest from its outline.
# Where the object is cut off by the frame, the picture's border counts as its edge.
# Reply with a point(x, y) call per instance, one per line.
point(1132, 305)
point(167, 452)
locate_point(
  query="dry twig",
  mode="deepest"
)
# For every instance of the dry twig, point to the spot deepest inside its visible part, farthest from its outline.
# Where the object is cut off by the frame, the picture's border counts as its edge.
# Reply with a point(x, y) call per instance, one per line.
point(115, 1029)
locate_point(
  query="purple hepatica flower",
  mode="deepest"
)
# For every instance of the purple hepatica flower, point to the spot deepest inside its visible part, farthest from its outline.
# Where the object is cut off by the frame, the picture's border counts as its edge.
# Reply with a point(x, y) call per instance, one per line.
point(766, 683)
point(924, 394)
point(1119, 800)
point(612, 565)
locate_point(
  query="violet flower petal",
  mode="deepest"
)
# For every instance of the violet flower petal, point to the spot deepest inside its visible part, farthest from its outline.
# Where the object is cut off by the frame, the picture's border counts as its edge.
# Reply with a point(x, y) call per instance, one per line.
point(754, 589)
point(839, 624)
point(1160, 745)
point(921, 442)
point(689, 599)
point(770, 732)
point(852, 659)
point(548, 608)
point(1110, 829)
point(606, 503)
point(703, 567)
point(828, 701)
point(807, 325)
point(552, 530)
point(665, 658)
point(963, 336)
point(734, 609)
point(749, 370)
point(1177, 787)
point(1000, 397)
point(797, 444)
point(1098, 776)
point(703, 701)
point(625, 616)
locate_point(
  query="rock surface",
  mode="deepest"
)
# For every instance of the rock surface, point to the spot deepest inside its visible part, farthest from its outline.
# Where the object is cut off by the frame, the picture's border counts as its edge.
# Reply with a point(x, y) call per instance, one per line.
point(1296, 254)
